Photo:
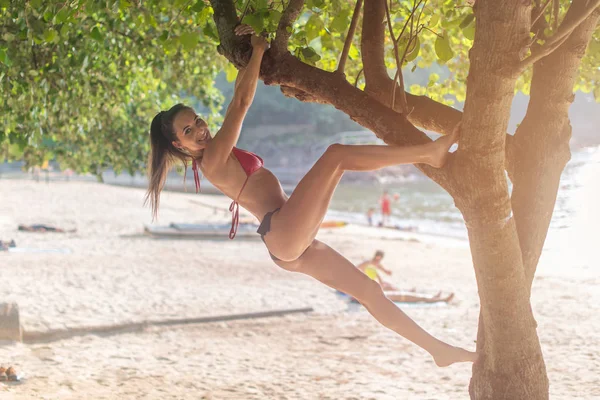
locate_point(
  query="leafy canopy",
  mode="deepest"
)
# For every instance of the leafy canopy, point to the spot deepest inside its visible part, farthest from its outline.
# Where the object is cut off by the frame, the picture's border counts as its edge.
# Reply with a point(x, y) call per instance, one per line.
point(81, 80)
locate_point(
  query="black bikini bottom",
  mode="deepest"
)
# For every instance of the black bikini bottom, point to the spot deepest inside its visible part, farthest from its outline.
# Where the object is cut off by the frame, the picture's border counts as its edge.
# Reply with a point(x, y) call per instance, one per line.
point(265, 227)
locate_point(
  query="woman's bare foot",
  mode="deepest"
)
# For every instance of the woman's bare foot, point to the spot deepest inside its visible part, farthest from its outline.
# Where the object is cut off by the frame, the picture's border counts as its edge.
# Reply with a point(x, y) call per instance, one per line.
point(447, 355)
point(439, 152)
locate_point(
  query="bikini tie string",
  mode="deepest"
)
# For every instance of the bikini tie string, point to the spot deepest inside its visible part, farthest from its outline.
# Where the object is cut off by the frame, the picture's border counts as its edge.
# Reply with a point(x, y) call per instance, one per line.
point(196, 176)
point(235, 218)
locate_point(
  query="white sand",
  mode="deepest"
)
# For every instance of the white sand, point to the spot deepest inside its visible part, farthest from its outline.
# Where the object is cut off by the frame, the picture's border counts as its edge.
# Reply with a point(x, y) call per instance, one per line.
point(114, 274)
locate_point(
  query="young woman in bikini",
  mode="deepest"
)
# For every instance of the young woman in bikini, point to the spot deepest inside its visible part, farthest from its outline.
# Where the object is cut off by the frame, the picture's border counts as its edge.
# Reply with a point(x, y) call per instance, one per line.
point(288, 226)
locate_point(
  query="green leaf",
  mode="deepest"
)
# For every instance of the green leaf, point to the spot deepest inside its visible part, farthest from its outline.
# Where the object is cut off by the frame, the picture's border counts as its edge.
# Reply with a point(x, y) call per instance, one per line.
point(209, 30)
point(64, 30)
point(315, 3)
point(199, 6)
point(467, 21)
point(274, 17)
point(309, 55)
point(340, 23)
point(313, 28)
point(255, 21)
point(230, 72)
point(124, 5)
point(327, 42)
point(469, 32)
point(188, 40)
point(4, 59)
point(442, 49)
point(261, 4)
point(62, 15)
point(50, 36)
point(164, 36)
point(353, 53)
point(434, 20)
point(414, 49)
point(96, 35)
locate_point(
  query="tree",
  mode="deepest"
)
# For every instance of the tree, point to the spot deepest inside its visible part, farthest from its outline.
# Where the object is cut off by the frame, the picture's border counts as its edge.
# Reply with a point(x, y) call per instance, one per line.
point(339, 53)
point(81, 80)
point(506, 232)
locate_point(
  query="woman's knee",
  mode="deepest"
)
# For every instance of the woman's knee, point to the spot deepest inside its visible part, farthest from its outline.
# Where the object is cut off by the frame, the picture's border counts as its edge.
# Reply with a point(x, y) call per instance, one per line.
point(292, 265)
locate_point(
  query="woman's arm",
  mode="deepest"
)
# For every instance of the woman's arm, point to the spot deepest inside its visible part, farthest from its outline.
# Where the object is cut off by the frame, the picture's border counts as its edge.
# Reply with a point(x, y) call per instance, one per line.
point(220, 147)
point(238, 79)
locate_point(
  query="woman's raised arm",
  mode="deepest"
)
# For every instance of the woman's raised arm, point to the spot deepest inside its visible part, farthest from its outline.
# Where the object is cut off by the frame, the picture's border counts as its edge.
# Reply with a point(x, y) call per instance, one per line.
point(228, 135)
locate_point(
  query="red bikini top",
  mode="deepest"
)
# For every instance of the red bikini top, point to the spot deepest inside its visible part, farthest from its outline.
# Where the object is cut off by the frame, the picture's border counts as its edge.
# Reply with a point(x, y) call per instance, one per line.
point(250, 163)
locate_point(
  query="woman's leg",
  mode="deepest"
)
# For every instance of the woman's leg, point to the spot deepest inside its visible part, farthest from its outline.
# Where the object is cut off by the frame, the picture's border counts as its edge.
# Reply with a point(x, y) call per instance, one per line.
point(328, 266)
point(298, 221)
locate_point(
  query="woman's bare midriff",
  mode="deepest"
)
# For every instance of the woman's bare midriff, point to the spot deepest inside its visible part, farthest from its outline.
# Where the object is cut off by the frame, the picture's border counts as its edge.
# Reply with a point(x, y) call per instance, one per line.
point(263, 192)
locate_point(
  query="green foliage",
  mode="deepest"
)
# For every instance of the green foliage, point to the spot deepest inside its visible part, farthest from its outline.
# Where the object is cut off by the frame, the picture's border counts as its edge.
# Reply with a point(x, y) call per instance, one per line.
point(82, 80)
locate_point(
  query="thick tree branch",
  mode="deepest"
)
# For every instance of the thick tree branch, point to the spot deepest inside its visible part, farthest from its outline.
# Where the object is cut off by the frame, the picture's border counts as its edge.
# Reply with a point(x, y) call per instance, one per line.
point(300, 95)
point(541, 143)
point(332, 88)
point(373, 35)
point(563, 32)
point(284, 29)
point(237, 49)
point(349, 36)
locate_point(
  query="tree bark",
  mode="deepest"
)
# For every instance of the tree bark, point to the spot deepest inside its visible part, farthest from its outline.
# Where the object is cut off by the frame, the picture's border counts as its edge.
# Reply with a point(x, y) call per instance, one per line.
point(541, 144)
point(308, 82)
point(510, 364)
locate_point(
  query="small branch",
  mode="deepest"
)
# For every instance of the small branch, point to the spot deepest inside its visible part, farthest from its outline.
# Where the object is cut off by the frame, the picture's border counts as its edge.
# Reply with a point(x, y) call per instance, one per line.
point(33, 55)
point(434, 32)
point(556, 6)
point(290, 14)
point(540, 13)
point(562, 34)
point(541, 53)
point(349, 36)
point(357, 77)
point(403, 106)
point(245, 10)
point(568, 26)
point(399, 61)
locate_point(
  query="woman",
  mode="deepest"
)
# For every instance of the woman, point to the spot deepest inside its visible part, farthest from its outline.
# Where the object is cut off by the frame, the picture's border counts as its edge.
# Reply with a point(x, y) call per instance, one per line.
point(289, 225)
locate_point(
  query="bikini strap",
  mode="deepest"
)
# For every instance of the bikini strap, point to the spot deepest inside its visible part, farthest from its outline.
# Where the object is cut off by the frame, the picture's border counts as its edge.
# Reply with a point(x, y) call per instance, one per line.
point(196, 177)
point(234, 207)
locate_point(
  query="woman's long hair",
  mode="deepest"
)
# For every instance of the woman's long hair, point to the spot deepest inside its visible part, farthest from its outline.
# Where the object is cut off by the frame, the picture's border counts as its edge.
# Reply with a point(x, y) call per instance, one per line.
point(162, 154)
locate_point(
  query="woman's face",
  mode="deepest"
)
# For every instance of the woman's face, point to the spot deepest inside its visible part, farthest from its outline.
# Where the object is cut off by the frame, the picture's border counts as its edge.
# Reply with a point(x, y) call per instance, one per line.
point(191, 131)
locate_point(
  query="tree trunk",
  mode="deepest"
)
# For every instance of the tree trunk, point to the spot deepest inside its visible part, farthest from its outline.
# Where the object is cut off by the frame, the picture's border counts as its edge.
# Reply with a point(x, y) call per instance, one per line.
point(511, 364)
point(541, 143)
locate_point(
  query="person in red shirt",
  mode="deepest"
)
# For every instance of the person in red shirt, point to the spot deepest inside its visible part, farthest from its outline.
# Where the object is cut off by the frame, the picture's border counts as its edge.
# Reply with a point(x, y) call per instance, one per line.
point(386, 208)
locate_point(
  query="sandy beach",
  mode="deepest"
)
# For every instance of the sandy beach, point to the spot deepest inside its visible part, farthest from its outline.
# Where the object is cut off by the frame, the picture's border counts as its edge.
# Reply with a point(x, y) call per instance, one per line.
point(108, 272)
